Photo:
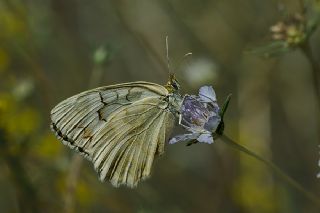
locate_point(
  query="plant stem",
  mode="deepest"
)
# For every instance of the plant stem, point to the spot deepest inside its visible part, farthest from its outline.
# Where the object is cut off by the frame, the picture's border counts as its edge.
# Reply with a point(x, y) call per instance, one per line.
point(77, 160)
point(275, 168)
point(315, 66)
point(71, 183)
point(27, 196)
point(302, 6)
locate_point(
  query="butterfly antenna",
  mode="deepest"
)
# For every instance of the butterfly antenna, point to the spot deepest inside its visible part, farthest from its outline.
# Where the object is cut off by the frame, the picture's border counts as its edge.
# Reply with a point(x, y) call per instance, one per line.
point(184, 58)
point(167, 54)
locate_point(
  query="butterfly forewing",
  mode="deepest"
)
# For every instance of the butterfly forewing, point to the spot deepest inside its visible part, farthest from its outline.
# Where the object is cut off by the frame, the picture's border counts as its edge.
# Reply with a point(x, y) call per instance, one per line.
point(120, 128)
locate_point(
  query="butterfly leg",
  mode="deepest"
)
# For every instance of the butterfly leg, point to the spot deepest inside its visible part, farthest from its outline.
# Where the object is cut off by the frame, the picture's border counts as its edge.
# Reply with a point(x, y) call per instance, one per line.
point(181, 124)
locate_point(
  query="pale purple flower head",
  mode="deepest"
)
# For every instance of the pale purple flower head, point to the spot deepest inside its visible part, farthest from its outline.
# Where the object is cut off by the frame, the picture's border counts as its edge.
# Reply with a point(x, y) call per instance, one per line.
point(200, 116)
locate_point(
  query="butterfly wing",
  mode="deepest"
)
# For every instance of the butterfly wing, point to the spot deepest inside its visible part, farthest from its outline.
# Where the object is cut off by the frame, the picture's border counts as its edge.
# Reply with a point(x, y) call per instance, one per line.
point(126, 146)
point(120, 128)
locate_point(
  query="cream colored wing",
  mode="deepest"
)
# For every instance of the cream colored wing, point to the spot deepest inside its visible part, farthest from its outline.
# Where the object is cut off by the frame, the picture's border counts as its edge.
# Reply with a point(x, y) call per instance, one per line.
point(125, 148)
point(79, 120)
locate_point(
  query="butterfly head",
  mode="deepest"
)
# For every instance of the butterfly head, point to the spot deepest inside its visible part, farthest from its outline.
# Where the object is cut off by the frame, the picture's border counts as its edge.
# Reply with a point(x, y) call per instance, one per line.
point(173, 85)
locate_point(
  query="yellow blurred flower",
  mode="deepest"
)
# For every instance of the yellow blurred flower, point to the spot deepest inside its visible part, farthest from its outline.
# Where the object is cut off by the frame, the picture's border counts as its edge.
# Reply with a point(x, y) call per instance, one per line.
point(292, 30)
point(18, 121)
point(11, 24)
point(5, 104)
point(48, 146)
point(22, 122)
point(84, 193)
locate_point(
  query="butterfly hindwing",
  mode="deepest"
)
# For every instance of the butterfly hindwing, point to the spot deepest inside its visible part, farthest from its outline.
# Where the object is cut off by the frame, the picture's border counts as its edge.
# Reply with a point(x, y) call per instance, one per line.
point(120, 128)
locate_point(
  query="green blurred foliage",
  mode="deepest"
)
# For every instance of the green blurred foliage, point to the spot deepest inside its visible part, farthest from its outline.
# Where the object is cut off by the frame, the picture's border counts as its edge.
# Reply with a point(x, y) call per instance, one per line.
point(52, 49)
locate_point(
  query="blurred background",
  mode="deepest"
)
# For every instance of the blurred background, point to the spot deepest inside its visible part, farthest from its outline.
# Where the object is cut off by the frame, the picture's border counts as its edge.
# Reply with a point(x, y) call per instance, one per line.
point(52, 49)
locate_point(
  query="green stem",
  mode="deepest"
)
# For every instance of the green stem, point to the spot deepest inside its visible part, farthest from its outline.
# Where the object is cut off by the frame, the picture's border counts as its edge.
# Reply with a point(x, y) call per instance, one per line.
point(275, 168)
point(77, 160)
point(27, 197)
point(315, 66)
point(26, 193)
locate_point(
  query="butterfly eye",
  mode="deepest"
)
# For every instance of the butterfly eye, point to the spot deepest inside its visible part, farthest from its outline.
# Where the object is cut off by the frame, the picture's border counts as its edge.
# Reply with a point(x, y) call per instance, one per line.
point(175, 84)
point(172, 84)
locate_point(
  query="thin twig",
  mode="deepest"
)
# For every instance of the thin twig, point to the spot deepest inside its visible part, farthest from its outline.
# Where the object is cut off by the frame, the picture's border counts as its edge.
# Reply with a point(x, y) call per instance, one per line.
point(315, 66)
point(38, 72)
point(71, 182)
point(315, 69)
point(26, 193)
point(314, 198)
point(302, 6)
point(77, 160)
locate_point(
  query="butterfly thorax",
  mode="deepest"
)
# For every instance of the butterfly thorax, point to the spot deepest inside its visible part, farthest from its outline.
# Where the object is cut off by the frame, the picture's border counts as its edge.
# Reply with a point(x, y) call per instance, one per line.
point(174, 98)
point(175, 103)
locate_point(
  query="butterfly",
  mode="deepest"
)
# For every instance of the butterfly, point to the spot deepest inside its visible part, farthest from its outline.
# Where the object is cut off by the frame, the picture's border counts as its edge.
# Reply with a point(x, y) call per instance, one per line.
point(120, 128)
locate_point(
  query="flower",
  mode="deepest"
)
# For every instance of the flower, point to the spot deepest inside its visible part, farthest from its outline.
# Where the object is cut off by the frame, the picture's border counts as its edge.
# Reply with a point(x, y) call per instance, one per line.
point(200, 116)
point(292, 30)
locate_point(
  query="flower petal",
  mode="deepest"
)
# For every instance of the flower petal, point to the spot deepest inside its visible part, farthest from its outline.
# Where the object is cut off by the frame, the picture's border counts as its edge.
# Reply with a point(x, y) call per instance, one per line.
point(207, 94)
point(205, 138)
point(212, 123)
point(184, 137)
